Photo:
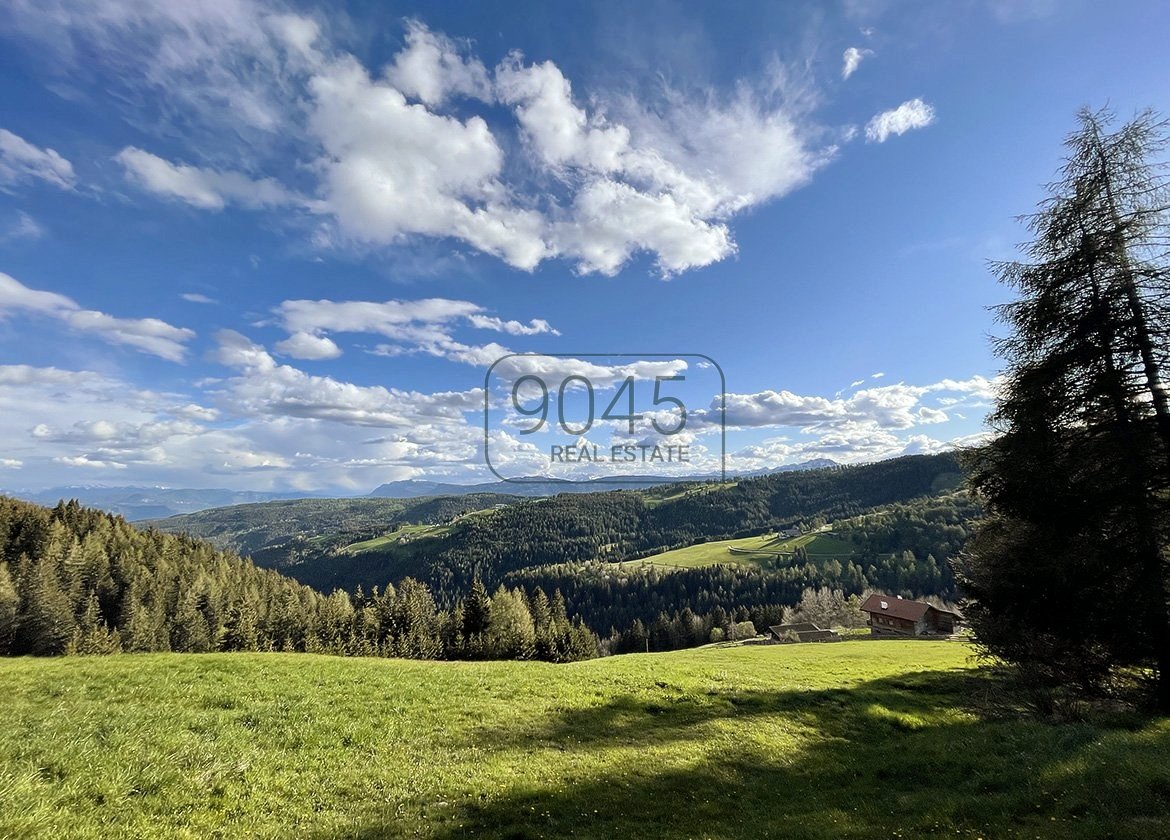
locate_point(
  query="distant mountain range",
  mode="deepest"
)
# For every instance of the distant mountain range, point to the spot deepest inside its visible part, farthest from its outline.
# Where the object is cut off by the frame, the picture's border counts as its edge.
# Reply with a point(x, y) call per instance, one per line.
point(148, 502)
point(415, 488)
point(137, 503)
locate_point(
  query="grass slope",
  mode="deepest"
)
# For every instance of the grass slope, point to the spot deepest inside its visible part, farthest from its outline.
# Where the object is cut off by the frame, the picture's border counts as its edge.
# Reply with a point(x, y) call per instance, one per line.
point(856, 739)
point(765, 552)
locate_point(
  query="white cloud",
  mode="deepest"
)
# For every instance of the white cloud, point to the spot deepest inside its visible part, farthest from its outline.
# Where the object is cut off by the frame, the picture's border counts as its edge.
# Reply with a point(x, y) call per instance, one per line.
point(852, 60)
point(196, 297)
point(120, 433)
point(22, 161)
point(909, 115)
point(387, 158)
point(392, 168)
point(887, 407)
point(199, 187)
point(432, 68)
point(415, 326)
point(303, 345)
point(664, 181)
point(87, 461)
point(266, 388)
point(23, 227)
point(148, 335)
point(534, 327)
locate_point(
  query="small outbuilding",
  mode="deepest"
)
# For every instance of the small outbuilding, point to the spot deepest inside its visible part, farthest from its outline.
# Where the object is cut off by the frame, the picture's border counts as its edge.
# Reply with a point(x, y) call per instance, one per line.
point(895, 616)
point(801, 631)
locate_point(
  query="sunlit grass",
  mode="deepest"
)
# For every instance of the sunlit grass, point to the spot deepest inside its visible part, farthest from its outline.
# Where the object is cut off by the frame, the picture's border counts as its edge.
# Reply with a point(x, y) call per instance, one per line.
point(767, 552)
point(855, 739)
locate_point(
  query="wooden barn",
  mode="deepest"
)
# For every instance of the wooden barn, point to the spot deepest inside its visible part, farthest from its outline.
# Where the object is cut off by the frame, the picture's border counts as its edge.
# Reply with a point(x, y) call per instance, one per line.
point(893, 616)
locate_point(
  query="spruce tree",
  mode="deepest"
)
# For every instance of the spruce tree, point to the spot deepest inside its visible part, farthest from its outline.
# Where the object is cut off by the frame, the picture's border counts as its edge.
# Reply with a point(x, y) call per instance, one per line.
point(477, 610)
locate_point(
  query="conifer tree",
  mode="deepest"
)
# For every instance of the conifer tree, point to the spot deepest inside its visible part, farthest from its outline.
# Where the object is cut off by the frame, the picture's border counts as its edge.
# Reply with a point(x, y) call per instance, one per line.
point(510, 634)
point(93, 636)
point(477, 609)
point(45, 623)
point(9, 606)
point(1068, 576)
point(239, 630)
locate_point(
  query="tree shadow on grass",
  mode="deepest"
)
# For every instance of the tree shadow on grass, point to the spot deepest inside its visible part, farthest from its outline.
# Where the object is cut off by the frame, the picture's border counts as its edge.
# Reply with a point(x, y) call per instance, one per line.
point(909, 756)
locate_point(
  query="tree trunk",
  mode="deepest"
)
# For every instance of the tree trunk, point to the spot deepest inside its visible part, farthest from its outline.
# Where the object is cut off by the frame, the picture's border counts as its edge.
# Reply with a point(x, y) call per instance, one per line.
point(1153, 564)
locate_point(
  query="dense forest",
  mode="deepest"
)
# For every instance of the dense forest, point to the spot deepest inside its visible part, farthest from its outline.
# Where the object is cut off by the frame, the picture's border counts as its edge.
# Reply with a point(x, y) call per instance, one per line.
point(74, 580)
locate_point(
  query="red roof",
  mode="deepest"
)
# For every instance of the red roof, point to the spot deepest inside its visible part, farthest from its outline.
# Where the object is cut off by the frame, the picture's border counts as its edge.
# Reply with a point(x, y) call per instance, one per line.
point(897, 607)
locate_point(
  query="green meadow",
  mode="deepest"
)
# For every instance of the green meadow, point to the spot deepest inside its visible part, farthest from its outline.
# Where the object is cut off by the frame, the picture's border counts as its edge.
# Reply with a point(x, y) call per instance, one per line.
point(405, 535)
point(856, 739)
point(767, 552)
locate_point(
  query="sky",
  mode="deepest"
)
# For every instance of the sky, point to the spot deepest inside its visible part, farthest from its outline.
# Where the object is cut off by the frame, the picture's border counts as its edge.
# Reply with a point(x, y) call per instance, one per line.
point(305, 248)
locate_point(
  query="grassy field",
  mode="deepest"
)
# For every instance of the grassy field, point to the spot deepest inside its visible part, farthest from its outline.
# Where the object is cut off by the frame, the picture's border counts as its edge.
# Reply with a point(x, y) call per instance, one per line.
point(855, 739)
point(404, 535)
point(767, 552)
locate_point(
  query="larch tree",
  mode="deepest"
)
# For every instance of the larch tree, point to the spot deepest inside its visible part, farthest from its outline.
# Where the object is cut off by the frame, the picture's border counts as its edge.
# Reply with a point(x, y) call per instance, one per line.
point(1068, 575)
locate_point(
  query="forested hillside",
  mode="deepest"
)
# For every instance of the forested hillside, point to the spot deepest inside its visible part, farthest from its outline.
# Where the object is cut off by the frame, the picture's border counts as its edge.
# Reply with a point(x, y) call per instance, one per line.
point(74, 580)
point(301, 537)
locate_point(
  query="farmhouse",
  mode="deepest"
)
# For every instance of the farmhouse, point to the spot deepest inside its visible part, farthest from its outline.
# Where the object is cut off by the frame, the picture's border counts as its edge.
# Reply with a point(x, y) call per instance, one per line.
point(895, 616)
point(801, 631)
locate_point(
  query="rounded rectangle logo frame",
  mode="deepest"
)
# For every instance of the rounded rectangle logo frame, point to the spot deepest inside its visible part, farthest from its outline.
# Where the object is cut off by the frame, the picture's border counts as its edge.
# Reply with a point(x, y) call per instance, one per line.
point(720, 404)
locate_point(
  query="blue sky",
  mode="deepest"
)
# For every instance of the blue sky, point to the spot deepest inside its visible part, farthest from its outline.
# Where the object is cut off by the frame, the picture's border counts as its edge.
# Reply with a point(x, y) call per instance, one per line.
point(268, 246)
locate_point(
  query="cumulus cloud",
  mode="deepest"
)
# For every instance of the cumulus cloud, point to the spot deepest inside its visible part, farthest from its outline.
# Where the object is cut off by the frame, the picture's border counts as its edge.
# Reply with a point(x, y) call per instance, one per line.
point(276, 428)
point(852, 60)
point(908, 116)
point(266, 388)
point(415, 326)
point(303, 345)
point(148, 335)
point(891, 407)
point(200, 187)
point(423, 149)
point(534, 327)
point(432, 67)
point(664, 181)
point(21, 161)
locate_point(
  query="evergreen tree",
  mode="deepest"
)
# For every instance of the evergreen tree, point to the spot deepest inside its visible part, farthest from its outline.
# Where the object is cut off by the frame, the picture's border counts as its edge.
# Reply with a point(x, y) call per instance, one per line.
point(477, 608)
point(416, 628)
point(1068, 575)
point(189, 630)
point(239, 630)
point(545, 635)
point(9, 608)
point(45, 624)
point(93, 636)
point(510, 634)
